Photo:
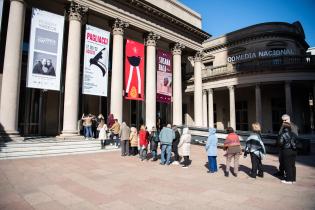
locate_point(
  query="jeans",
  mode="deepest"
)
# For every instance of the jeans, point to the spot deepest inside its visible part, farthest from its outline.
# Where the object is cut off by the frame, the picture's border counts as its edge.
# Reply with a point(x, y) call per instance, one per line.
point(229, 157)
point(88, 131)
point(154, 154)
point(212, 163)
point(289, 157)
point(166, 149)
point(117, 140)
point(143, 153)
point(256, 165)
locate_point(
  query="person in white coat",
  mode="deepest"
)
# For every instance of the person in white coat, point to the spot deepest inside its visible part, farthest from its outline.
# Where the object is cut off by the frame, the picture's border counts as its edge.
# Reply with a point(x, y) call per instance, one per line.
point(102, 136)
point(184, 146)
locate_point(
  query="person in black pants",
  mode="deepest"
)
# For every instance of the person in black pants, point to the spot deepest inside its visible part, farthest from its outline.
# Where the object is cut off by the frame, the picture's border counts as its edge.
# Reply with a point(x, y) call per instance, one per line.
point(175, 145)
point(287, 143)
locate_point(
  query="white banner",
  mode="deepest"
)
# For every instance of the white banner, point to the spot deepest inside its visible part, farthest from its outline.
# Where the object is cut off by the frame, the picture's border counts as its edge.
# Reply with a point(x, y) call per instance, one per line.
point(96, 53)
point(45, 51)
point(1, 6)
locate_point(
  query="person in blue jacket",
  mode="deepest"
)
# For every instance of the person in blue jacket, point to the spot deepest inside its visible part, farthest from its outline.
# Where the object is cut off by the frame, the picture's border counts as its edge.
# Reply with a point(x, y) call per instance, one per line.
point(211, 148)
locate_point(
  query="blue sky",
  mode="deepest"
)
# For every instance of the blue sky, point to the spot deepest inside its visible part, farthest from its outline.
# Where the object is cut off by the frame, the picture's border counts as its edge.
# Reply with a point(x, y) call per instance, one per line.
point(222, 16)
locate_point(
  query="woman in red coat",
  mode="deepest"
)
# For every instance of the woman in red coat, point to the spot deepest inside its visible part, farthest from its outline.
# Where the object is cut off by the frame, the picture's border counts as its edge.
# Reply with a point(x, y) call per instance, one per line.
point(143, 140)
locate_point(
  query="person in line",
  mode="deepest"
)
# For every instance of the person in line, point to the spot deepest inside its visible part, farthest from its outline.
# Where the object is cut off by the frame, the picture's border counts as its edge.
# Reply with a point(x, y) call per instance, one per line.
point(166, 138)
point(87, 123)
point(133, 141)
point(232, 146)
point(115, 133)
point(110, 120)
point(124, 134)
point(154, 141)
point(143, 142)
point(255, 147)
point(294, 129)
point(102, 129)
point(184, 147)
point(98, 121)
point(211, 148)
point(175, 145)
point(287, 144)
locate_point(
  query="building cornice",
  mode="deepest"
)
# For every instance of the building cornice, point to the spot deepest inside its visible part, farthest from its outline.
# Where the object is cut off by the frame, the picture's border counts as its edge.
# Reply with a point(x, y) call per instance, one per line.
point(112, 11)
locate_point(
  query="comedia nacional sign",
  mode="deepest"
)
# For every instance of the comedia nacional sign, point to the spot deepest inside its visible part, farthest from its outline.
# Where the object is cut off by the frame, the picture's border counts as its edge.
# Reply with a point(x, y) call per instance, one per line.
point(260, 54)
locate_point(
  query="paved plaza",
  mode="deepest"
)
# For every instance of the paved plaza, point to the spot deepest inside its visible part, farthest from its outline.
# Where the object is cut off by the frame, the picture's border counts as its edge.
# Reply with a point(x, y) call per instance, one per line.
point(109, 181)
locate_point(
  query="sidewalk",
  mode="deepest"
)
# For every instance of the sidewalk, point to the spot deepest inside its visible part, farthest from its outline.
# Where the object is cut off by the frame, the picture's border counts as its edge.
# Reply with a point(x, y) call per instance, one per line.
point(109, 181)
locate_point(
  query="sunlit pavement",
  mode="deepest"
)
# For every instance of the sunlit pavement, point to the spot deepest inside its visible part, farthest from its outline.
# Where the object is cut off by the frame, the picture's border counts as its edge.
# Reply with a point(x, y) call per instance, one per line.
point(109, 181)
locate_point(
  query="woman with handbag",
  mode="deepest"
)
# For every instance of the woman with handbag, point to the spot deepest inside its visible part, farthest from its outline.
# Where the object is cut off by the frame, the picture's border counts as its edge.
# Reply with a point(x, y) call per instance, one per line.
point(232, 146)
point(255, 147)
point(143, 142)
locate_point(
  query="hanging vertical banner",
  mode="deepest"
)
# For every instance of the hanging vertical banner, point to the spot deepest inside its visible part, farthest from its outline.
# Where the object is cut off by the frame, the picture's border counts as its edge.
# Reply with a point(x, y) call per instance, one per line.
point(1, 7)
point(96, 53)
point(45, 51)
point(164, 76)
point(134, 71)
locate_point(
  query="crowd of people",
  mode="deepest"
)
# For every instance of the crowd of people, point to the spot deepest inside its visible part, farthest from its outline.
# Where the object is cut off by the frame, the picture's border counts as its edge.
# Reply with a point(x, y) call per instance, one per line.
point(168, 139)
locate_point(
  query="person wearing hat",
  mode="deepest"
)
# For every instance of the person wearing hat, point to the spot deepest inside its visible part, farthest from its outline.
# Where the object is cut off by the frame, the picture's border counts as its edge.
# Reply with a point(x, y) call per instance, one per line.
point(287, 142)
point(154, 141)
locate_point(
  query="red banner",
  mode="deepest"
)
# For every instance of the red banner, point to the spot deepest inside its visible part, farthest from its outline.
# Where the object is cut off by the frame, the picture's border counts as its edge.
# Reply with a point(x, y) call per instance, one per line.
point(134, 70)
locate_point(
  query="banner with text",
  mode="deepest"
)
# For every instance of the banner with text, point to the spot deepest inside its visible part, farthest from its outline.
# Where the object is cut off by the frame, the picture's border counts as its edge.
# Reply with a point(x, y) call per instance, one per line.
point(96, 53)
point(45, 50)
point(134, 71)
point(164, 76)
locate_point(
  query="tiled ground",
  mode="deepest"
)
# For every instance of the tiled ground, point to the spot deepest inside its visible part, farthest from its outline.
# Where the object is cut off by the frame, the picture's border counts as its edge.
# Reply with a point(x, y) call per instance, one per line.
point(109, 181)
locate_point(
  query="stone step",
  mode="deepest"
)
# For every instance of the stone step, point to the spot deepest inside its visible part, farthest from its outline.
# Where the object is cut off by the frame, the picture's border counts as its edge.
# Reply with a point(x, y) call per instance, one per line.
point(52, 153)
point(49, 147)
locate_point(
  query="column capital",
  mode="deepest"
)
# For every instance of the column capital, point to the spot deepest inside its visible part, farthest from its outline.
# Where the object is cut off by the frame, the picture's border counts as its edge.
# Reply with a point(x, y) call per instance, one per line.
point(76, 11)
point(177, 48)
point(119, 26)
point(288, 82)
point(198, 56)
point(204, 91)
point(210, 90)
point(231, 87)
point(151, 39)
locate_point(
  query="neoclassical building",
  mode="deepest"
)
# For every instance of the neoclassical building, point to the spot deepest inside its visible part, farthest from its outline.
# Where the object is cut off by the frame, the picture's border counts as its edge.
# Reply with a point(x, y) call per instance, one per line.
point(253, 74)
point(166, 24)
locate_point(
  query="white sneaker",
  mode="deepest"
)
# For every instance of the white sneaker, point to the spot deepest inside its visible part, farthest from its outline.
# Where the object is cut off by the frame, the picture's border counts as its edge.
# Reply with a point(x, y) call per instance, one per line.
point(86, 139)
point(175, 163)
point(184, 166)
point(286, 182)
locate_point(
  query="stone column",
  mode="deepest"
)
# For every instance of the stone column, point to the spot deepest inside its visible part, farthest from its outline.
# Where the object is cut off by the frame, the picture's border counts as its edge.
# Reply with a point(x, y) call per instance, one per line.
point(72, 82)
point(204, 108)
point(177, 84)
point(258, 104)
point(232, 107)
point(9, 107)
point(210, 108)
point(150, 91)
point(288, 99)
point(116, 98)
point(198, 89)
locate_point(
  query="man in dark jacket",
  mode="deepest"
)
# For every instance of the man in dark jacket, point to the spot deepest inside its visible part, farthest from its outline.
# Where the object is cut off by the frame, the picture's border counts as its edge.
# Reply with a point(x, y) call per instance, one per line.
point(294, 129)
point(175, 145)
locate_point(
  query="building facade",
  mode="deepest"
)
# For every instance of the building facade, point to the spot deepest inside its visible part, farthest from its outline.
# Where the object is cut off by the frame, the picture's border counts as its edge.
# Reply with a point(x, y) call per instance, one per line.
point(254, 74)
point(167, 25)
